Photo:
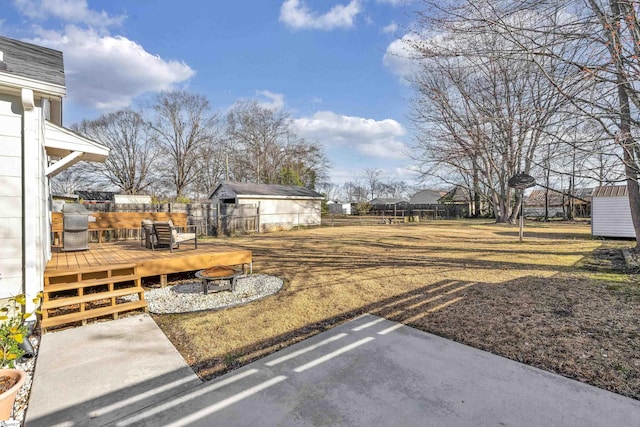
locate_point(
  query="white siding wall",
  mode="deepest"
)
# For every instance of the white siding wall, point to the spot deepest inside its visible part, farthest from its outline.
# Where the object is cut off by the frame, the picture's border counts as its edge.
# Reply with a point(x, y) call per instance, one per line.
point(10, 195)
point(284, 214)
point(611, 217)
point(42, 214)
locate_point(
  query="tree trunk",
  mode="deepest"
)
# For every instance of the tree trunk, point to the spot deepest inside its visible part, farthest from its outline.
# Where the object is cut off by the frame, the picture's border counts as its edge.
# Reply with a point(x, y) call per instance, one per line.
point(476, 194)
point(631, 172)
point(626, 139)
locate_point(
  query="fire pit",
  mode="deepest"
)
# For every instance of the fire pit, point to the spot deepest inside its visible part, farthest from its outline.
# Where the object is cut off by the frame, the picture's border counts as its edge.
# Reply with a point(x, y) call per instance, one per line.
point(219, 275)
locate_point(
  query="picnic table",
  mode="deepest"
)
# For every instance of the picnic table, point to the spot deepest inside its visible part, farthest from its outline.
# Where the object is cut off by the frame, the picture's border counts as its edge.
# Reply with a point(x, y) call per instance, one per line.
point(220, 275)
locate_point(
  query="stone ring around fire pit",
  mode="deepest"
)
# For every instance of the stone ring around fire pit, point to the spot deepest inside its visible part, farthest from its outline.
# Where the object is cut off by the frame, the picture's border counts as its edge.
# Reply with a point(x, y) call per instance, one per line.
point(220, 275)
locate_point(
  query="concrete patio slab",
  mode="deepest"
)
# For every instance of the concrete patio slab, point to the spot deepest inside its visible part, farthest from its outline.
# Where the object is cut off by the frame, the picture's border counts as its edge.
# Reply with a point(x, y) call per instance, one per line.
point(375, 372)
point(92, 375)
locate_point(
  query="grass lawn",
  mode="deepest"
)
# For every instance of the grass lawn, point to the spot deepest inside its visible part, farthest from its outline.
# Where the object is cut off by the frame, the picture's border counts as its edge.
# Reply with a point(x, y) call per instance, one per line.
point(553, 301)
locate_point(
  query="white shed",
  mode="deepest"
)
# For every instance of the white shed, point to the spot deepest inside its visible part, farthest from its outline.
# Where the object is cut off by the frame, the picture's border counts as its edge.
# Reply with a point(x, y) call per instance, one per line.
point(139, 199)
point(339, 208)
point(279, 206)
point(611, 213)
point(33, 148)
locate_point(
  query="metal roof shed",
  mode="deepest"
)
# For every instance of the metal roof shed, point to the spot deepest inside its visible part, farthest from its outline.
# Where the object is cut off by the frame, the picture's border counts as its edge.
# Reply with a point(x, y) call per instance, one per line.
point(279, 206)
point(611, 213)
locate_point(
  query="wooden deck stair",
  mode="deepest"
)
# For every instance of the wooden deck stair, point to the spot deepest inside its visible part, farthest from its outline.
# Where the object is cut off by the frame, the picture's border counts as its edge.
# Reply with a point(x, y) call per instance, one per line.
point(72, 296)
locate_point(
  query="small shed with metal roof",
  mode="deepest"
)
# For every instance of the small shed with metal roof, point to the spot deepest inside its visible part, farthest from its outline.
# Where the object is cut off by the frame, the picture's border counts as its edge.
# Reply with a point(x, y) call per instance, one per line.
point(611, 212)
point(278, 207)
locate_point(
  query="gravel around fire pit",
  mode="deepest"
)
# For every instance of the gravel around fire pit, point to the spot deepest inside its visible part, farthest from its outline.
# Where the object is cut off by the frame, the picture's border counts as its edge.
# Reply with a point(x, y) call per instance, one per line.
point(188, 295)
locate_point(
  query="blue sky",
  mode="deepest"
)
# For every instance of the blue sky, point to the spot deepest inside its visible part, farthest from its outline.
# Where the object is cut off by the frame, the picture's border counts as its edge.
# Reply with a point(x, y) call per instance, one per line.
point(335, 65)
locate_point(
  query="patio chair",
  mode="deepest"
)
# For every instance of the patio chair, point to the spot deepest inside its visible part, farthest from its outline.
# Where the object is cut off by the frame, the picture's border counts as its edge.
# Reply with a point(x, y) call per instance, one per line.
point(166, 235)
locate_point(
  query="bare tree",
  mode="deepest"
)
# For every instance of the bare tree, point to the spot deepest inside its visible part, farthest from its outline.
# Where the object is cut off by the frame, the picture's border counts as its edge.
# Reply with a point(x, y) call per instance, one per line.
point(354, 192)
point(596, 44)
point(266, 149)
point(304, 163)
point(259, 135)
point(70, 180)
point(131, 155)
point(182, 125)
point(372, 177)
point(330, 191)
point(479, 111)
point(212, 163)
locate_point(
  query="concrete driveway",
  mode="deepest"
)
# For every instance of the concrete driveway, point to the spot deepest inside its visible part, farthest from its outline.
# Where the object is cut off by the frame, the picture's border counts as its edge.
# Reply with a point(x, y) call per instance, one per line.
point(374, 372)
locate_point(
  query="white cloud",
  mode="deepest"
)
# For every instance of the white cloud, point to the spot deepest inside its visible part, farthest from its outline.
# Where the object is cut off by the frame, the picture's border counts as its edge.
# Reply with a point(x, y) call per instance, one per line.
point(71, 11)
point(296, 15)
point(368, 137)
point(391, 28)
point(395, 2)
point(103, 71)
point(107, 72)
point(275, 101)
point(400, 57)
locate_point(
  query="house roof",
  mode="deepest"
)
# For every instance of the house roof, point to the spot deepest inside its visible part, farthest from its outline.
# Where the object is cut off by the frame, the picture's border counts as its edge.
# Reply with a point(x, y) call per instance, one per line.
point(96, 196)
point(457, 195)
point(386, 201)
point(611, 191)
point(234, 189)
point(536, 197)
point(426, 197)
point(28, 61)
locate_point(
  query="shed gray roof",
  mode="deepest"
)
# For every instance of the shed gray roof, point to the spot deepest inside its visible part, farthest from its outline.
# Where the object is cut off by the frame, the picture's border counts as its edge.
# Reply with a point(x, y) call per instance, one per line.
point(32, 61)
point(233, 189)
point(426, 197)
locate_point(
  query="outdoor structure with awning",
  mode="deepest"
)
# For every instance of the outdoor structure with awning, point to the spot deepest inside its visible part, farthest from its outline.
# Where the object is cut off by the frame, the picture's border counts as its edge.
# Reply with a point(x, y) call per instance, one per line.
point(68, 148)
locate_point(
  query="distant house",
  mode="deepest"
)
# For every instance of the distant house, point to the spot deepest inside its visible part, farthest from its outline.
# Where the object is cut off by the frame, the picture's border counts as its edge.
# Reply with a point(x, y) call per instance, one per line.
point(132, 199)
point(95, 196)
point(389, 206)
point(339, 208)
point(33, 148)
point(424, 203)
point(277, 206)
point(559, 203)
point(457, 203)
point(611, 212)
point(89, 196)
point(425, 199)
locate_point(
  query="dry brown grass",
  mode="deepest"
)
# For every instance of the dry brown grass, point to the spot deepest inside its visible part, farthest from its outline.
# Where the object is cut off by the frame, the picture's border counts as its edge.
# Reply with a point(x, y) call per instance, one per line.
point(471, 281)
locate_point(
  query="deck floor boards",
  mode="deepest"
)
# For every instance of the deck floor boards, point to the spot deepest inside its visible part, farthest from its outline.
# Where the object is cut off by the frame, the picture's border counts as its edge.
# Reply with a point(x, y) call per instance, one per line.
point(149, 263)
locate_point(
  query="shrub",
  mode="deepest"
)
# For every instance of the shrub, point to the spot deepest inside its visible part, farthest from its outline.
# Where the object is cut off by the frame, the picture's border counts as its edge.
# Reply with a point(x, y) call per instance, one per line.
point(13, 330)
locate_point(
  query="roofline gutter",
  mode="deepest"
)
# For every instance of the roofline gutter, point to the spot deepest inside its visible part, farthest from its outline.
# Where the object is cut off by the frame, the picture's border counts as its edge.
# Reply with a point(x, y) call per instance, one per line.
point(20, 83)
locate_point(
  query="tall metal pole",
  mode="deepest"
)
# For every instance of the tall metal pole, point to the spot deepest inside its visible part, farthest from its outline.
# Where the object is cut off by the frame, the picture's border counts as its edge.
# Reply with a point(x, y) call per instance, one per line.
point(521, 214)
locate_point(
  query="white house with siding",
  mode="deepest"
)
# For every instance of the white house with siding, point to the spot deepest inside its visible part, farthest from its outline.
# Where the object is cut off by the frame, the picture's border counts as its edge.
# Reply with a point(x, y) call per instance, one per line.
point(279, 206)
point(611, 212)
point(33, 148)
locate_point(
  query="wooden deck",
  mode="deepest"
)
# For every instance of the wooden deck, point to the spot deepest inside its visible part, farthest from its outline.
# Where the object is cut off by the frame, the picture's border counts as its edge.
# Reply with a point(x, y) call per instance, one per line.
point(97, 283)
point(149, 263)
